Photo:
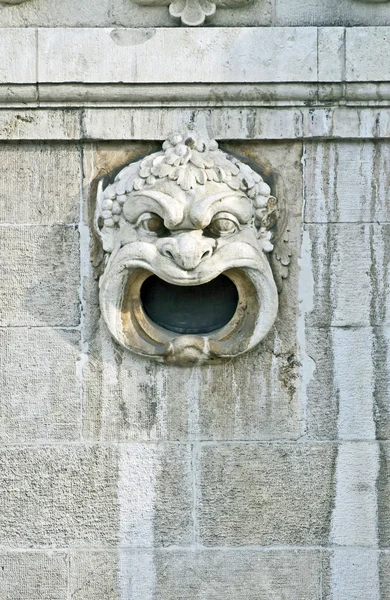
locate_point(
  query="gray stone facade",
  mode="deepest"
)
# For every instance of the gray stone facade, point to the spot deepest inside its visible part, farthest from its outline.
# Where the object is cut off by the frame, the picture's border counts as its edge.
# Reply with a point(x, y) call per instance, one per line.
point(262, 478)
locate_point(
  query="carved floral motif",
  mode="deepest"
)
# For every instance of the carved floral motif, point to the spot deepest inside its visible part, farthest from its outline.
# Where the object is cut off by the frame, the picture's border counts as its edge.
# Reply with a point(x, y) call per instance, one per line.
point(188, 214)
point(194, 12)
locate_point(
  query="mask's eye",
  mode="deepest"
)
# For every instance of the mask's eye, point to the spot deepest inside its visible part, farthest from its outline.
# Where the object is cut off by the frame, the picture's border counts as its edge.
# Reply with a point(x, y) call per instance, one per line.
point(152, 224)
point(223, 224)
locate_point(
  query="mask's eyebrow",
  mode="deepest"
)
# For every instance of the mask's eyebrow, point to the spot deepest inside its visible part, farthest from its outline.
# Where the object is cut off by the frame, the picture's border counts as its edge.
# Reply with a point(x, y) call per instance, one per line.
point(167, 207)
point(237, 204)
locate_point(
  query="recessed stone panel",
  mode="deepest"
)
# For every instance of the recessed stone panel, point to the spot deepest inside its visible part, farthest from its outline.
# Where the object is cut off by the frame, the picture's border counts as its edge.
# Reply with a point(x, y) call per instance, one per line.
point(41, 400)
point(33, 576)
point(40, 276)
point(349, 264)
point(95, 496)
point(259, 494)
point(43, 186)
point(203, 574)
point(347, 182)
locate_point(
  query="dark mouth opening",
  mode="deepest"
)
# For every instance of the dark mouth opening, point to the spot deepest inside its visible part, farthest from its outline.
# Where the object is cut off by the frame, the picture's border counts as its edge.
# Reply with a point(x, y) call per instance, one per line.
point(190, 310)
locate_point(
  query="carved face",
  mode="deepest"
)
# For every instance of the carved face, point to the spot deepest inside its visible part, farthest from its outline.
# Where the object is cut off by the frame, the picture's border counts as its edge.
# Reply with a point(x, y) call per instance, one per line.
point(205, 245)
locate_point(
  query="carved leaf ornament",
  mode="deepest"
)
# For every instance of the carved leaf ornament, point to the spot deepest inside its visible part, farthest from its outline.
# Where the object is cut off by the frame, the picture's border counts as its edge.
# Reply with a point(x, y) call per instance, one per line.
point(194, 12)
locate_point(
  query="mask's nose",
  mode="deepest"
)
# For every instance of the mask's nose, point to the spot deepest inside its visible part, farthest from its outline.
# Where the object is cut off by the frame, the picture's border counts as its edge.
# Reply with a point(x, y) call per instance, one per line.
point(187, 249)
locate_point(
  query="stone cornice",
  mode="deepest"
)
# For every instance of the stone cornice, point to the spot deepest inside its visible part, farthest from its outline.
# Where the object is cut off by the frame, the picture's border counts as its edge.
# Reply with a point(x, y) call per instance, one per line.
point(195, 95)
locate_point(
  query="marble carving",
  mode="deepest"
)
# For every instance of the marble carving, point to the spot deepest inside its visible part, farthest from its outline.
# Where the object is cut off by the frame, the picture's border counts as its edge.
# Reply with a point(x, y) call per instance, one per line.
point(188, 214)
point(194, 12)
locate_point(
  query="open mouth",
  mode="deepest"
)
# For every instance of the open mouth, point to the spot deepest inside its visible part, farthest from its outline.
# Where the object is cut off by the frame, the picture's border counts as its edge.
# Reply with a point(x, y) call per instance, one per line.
point(187, 324)
point(197, 309)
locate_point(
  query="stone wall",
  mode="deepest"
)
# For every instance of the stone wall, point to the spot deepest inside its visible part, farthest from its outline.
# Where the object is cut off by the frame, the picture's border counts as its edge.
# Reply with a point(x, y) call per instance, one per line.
point(266, 477)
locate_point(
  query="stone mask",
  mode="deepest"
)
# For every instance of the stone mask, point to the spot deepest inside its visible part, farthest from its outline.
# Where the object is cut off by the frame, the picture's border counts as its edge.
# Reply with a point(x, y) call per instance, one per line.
point(200, 221)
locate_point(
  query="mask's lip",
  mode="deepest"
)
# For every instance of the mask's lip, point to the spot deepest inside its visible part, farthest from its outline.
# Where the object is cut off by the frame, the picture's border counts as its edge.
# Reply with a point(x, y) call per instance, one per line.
point(199, 277)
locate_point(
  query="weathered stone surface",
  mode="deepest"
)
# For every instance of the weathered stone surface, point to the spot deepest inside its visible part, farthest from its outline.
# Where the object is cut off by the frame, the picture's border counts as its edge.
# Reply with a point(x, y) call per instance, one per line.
point(350, 270)
point(33, 576)
point(131, 398)
point(331, 54)
point(347, 182)
point(350, 367)
point(95, 496)
point(239, 124)
point(334, 12)
point(44, 124)
point(348, 396)
point(39, 278)
point(253, 397)
point(41, 401)
point(383, 496)
point(180, 55)
point(353, 574)
point(384, 561)
point(17, 56)
point(367, 54)
point(44, 184)
point(94, 575)
point(69, 13)
point(155, 495)
point(197, 575)
point(59, 495)
point(258, 494)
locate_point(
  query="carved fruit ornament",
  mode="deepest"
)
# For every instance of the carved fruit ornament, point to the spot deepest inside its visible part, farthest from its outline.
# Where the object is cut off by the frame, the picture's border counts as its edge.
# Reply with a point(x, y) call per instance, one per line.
point(188, 215)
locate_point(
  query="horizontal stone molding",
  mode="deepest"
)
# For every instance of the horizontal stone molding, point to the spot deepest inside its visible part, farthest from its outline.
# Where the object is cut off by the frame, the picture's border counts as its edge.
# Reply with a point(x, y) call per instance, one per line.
point(223, 55)
point(232, 123)
point(194, 95)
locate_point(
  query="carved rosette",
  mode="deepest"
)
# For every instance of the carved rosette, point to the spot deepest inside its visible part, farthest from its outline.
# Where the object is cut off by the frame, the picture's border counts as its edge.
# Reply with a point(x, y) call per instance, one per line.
point(186, 216)
point(194, 12)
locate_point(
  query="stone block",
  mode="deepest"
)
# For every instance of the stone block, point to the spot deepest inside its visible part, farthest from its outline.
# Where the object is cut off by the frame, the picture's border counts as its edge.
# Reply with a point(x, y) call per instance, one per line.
point(259, 494)
point(384, 561)
point(331, 53)
point(239, 574)
point(68, 13)
point(349, 267)
point(197, 575)
point(330, 13)
point(40, 276)
point(40, 396)
point(347, 182)
point(18, 56)
point(181, 55)
point(33, 576)
point(348, 395)
point(42, 124)
point(95, 496)
point(155, 495)
point(42, 186)
point(232, 123)
point(353, 574)
point(253, 397)
point(383, 486)
point(367, 54)
point(94, 575)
